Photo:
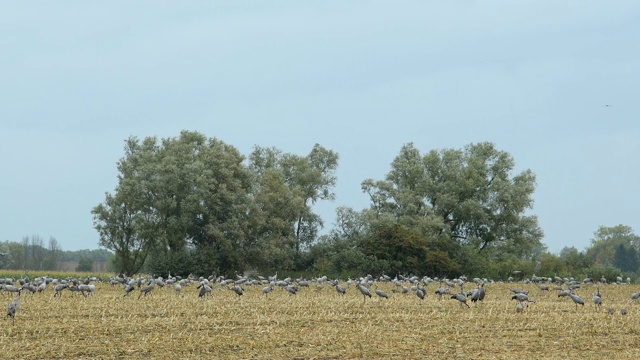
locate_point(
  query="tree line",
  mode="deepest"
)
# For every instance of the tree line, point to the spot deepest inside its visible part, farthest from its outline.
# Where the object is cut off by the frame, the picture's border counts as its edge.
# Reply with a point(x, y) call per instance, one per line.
point(32, 254)
point(194, 204)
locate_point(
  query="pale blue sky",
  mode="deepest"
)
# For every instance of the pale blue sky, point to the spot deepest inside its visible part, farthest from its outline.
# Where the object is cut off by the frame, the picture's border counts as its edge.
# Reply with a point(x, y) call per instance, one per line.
point(360, 78)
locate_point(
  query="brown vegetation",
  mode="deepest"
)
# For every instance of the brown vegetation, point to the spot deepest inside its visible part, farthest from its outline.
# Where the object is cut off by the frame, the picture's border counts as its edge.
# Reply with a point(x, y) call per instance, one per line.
point(319, 324)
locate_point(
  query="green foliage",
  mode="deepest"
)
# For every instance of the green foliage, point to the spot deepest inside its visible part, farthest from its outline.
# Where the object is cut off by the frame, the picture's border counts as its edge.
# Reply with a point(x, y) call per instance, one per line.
point(626, 258)
point(31, 254)
point(596, 272)
point(575, 260)
point(404, 251)
point(94, 254)
point(607, 240)
point(193, 204)
point(85, 265)
point(552, 265)
point(287, 186)
point(467, 195)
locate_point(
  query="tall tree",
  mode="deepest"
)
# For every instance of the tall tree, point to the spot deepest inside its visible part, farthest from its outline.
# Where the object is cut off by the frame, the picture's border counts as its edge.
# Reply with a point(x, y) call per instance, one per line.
point(125, 220)
point(626, 258)
point(175, 197)
point(606, 241)
point(466, 195)
point(309, 179)
point(54, 255)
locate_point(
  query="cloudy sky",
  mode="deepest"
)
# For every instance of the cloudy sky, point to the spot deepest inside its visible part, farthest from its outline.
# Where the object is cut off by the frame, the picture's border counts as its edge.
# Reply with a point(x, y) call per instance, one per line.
point(360, 78)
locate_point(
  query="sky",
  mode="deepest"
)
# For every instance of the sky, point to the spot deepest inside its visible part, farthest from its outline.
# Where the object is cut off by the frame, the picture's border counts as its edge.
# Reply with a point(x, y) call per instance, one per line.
point(555, 84)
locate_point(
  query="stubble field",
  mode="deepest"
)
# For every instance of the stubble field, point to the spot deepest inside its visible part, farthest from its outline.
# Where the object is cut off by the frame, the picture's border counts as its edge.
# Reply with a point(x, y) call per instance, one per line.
point(318, 325)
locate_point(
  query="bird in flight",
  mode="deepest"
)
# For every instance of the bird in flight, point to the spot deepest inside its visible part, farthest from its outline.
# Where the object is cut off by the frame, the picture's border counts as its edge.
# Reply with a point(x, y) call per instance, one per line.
point(608, 105)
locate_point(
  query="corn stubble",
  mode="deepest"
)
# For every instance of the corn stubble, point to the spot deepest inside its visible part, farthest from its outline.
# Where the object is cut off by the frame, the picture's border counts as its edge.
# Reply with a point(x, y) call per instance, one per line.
point(318, 325)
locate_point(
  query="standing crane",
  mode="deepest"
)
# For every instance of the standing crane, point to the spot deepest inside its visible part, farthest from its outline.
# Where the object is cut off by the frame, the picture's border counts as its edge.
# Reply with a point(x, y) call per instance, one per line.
point(597, 299)
point(146, 290)
point(267, 290)
point(364, 291)
point(381, 294)
point(576, 299)
point(13, 308)
point(43, 286)
point(129, 287)
point(420, 293)
point(203, 290)
point(340, 289)
point(478, 294)
point(178, 288)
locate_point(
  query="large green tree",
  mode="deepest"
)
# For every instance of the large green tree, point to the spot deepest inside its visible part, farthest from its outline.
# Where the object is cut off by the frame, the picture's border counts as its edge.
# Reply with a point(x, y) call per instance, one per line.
point(299, 182)
point(470, 196)
point(607, 240)
point(195, 204)
point(174, 196)
point(626, 258)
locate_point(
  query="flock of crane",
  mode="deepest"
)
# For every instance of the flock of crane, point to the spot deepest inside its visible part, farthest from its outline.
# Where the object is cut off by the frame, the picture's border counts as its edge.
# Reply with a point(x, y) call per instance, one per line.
point(364, 285)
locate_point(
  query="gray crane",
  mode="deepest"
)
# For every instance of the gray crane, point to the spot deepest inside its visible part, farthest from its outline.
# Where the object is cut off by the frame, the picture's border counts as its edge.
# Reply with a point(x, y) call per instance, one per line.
point(292, 289)
point(267, 290)
point(523, 300)
point(203, 290)
point(58, 289)
point(420, 294)
point(146, 290)
point(128, 288)
point(520, 297)
point(43, 286)
point(340, 289)
point(576, 299)
point(12, 288)
point(29, 287)
point(178, 288)
point(381, 294)
point(597, 299)
point(635, 296)
point(462, 298)
point(364, 291)
point(440, 291)
point(237, 289)
point(13, 308)
point(478, 294)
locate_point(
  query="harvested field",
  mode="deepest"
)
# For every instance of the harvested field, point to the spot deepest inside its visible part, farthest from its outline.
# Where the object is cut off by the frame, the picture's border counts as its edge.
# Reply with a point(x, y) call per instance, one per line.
point(318, 325)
